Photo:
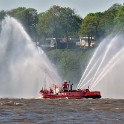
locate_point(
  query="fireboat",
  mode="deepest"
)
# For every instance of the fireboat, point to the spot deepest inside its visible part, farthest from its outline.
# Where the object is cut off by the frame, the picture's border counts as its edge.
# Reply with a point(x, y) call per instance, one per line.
point(66, 91)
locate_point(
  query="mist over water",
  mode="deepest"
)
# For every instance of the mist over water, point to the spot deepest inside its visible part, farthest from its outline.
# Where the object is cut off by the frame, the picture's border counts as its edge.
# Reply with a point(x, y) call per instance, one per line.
point(105, 71)
point(24, 67)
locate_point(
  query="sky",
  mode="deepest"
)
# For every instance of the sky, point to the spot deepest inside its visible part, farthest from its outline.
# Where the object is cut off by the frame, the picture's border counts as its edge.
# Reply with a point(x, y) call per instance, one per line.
point(81, 7)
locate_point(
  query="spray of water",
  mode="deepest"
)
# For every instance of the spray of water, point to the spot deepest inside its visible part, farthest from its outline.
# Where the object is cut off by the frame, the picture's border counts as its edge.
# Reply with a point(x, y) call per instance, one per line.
point(98, 53)
point(107, 76)
point(90, 74)
point(109, 66)
point(24, 67)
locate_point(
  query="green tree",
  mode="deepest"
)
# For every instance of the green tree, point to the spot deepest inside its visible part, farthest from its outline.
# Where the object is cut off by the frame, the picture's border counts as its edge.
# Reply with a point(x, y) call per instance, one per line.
point(119, 20)
point(108, 19)
point(91, 25)
point(70, 22)
point(28, 18)
point(2, 15)
point(58, 22)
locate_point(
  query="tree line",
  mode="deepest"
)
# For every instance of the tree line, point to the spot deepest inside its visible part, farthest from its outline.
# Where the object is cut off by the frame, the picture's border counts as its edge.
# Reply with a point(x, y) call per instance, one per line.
point(64, 22)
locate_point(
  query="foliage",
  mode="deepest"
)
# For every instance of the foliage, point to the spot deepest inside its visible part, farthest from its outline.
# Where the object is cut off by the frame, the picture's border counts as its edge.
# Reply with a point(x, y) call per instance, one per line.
point(119, 20)
point(2, 15)
point(58, 22)
point(70, 63)
point(100, 24)
point(108, 19)
point(91, 25)
point(28, 18)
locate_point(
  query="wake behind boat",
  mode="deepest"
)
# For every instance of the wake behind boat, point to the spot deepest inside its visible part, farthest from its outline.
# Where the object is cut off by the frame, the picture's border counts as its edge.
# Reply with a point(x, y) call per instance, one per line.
point(66, 91)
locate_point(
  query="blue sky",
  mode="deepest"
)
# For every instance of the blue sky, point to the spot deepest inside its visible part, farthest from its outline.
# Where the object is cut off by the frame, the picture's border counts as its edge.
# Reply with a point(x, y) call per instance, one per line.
point(82, 7)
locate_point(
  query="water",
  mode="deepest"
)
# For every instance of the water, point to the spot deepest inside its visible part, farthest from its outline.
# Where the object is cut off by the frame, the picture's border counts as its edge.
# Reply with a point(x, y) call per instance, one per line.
point(61, 111)
point(105, 69)
point(24, 67)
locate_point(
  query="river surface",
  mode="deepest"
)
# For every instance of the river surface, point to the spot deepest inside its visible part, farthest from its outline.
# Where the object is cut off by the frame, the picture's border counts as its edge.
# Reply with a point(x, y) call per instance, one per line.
point(61, 111)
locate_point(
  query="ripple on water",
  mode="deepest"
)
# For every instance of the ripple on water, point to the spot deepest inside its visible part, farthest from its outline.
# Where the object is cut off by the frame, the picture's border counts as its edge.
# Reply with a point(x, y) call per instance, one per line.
point(105, 111)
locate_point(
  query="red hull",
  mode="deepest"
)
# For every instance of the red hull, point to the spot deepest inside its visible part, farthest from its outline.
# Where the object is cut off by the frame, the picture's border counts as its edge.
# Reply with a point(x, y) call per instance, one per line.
point(74, 94)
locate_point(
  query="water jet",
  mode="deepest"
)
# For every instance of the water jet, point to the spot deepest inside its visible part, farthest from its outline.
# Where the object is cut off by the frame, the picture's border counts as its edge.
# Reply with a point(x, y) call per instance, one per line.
point(24, 67)
point(107, 76)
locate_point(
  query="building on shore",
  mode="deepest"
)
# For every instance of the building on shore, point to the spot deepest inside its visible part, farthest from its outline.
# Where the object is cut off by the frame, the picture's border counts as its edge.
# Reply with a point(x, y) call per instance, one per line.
point(71, 43)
